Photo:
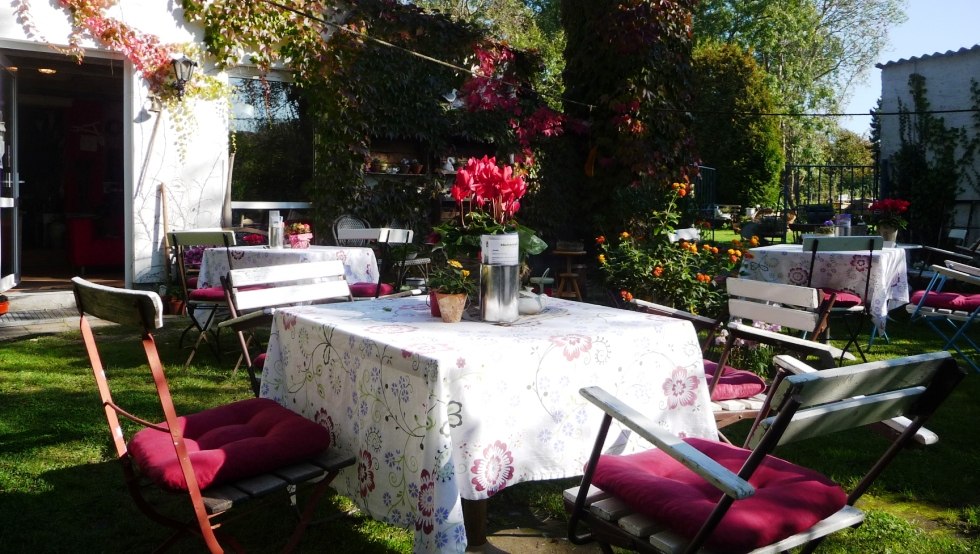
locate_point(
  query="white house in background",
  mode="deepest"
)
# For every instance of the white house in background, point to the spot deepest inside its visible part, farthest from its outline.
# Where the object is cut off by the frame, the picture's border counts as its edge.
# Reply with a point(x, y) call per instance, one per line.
point(84, 157)
point(947, 80)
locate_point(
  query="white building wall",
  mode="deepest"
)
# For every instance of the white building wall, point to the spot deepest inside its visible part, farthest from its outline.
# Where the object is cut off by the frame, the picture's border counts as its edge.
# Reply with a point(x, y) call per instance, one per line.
point(947, 83)
point(195, 181)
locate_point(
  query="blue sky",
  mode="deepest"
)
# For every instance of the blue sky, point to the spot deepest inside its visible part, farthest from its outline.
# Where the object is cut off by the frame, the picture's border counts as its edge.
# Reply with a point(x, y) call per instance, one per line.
point(932, 26)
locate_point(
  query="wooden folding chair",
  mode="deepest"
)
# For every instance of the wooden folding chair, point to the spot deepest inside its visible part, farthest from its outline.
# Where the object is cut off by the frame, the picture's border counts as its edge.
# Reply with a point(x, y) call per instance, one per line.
point(737, 394)
point(254, 293)
point(202, 304)
point(222, 459)
point(691, 493)
point(848, 306)
point(950, 314)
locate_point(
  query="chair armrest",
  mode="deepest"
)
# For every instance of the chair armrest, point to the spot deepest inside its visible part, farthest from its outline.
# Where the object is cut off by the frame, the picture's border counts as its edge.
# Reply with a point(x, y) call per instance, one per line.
point(964, 268)
point(827, 354)
point(792, 365)
point(713, 472)
point(699, 321)
point(947, 253)
point(959, 272)
point(249, 320)
point(966, 250)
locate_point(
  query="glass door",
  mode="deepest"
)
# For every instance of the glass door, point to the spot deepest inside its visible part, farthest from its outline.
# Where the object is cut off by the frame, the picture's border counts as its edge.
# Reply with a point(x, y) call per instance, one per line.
point(9, 218)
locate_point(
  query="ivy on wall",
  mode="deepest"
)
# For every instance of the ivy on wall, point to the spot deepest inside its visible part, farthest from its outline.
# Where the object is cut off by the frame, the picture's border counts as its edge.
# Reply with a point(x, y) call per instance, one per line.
point(932, 162)
point(359, 91)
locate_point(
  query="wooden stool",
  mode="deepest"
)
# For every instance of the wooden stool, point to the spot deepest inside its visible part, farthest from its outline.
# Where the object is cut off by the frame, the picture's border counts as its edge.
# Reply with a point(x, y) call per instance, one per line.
point(568, 281)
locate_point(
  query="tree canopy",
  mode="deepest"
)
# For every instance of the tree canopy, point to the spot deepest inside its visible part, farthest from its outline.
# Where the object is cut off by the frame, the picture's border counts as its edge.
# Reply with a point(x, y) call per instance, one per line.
point(812, 50)
point(745, 149)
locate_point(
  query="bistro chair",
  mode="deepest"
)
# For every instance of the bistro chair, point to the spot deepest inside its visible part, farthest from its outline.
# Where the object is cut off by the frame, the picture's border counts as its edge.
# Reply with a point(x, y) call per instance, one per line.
point(254, 293)
point(202, 304)
point(222, 460)
point(345, 222)
point(850, 307)
point(690, 493)
point(948, 312)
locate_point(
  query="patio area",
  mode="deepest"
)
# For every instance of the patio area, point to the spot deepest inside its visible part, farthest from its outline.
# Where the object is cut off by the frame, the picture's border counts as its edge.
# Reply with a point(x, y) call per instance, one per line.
point(55, 469)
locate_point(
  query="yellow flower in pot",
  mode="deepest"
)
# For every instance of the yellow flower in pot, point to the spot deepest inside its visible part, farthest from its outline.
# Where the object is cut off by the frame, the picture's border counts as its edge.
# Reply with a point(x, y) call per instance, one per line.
point(451, 284)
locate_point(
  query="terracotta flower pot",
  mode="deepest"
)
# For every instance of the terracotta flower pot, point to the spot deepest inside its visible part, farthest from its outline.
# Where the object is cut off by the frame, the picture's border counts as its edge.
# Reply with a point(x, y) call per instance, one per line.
point(4, 307)
point(451, 306)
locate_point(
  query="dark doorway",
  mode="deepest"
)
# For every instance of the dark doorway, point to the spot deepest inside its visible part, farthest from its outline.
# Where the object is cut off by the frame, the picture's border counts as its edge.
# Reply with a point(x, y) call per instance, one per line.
point(70, 163)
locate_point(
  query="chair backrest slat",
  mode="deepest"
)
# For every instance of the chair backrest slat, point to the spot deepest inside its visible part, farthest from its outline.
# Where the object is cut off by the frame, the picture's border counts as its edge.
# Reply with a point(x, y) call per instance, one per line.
point(287, 284)
point(774, 303)
point(847, 414)
point(893, 386)
point(803, 297)
point(773, 314)
point(842, 244)
point(202, 237)
point(126, 307)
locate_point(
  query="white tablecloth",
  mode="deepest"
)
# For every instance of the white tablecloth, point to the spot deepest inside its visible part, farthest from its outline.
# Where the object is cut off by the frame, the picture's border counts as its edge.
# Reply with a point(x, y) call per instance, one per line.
point(360, 264)
point(436, 411)
point(788, 263)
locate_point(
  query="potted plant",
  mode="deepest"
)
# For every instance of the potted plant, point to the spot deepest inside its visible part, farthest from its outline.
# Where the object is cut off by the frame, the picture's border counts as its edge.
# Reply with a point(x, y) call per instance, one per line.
point(172, 298)
point(299, 235)
point(888, 215)
point(450, 284)
point(4, 304)
point(488, 197)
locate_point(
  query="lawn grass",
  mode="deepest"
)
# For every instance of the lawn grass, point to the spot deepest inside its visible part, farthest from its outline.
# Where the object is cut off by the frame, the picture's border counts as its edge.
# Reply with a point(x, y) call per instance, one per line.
point(61, 490)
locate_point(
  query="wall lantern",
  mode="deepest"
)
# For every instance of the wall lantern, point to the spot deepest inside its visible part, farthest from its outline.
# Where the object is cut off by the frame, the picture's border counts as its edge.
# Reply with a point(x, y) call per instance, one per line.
point(183, 69)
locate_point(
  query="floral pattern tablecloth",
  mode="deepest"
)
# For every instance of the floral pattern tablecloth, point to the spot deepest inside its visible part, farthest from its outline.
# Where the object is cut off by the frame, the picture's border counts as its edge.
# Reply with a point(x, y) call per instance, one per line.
point(435, 412)
point(360, 265)
point(788, 263)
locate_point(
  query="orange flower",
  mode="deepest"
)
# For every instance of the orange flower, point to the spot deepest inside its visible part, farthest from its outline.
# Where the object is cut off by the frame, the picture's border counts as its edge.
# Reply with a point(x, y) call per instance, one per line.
point(658, 271)
point(749, 255)
point(682, 192)
point(601, 239)
point(626, 295)
point(754, 241)
point(624, 235)
point(602, 259)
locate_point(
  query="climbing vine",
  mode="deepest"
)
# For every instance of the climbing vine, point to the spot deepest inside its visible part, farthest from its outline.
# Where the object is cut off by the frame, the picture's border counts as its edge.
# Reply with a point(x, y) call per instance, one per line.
point(358, 90)
point(932, 162)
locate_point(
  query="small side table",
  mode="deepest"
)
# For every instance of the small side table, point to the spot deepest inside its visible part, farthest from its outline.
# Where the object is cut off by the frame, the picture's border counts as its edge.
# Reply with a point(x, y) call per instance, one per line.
point(568, 280)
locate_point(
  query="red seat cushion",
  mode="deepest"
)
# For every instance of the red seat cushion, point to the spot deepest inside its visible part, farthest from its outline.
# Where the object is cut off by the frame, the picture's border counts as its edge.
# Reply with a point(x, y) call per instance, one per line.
point(209, 294)
point(947, 300)
point(259, 362)
point(788, 498)
point(734, 383)
point(192, 282)
point(845, 299)
point(362, 290)
point(228, 443)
